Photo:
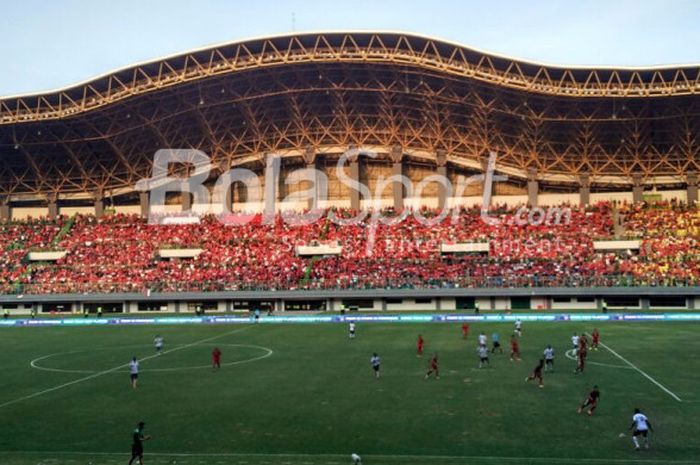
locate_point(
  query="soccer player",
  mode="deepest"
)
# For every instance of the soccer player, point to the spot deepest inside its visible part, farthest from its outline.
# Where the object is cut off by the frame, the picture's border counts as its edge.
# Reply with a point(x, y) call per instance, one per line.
point(434, 367)
point(216, 358)
point(134, 372)
point(514, 348)
point(548, 358)
point(356, 459)
point(137, 444)
point(375, 362)
point(537, 373)
point(351, 330)
point(582, 354)
point(496, 341)
point(419, 346)
point(596, 339)
point(591, 401)
point(158, 343)
point(641, 426)
point(518, 327)
point(465, 330)
point(482, 339)
point(574, 342)
point(483, 356)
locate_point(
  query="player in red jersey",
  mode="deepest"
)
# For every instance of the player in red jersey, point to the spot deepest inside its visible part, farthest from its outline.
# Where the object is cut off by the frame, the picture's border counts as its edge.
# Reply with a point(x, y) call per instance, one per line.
point(434, 367)
point(514, 348)
point(591, 401)
point(596, 339)
point(537, 373)
point(582, 353)
point(216, 358)
point(465, 330)
point(419, 346)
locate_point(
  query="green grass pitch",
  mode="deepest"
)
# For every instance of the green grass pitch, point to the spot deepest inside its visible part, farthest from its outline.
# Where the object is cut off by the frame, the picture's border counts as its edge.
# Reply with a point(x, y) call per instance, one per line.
point(304, 394)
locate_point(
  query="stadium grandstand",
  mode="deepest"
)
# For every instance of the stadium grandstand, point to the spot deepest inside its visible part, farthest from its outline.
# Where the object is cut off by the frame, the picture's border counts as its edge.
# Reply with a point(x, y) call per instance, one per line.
point(617, 149)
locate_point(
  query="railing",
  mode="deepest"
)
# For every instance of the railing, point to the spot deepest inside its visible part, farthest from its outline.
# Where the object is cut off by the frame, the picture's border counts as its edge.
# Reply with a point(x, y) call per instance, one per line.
point(467, 282)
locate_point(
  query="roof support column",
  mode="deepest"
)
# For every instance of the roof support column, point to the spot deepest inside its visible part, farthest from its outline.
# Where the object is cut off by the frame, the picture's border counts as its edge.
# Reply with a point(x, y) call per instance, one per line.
point(310, 160)
point(99, 204)
point(585, 189)
point(441, 156)
point(273, 164)
point(533, 187)
point(692, 181)
point(186, 201)
point(396, 156)
point(52, 200)
point(637, 188)
point(145, 202)
point(355, 176)
point(5, 209)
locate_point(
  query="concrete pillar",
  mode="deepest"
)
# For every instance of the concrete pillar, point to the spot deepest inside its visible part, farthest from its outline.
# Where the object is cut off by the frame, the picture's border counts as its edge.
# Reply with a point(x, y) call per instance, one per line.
point(585, 189)
point(384, 305)
point(692, 181)
point(273, 166)
point(53, 207)
point(310, 160)
point(354, 174)
point(438, 304)
point(186, 201)
point(228, 199)
point(441, 156)
point(99, 204)
point(397, 191)
point(637, 188)
point(644, 303)
point(5, 209)
point(144, 201)
point(533, 187)
point(690, 302)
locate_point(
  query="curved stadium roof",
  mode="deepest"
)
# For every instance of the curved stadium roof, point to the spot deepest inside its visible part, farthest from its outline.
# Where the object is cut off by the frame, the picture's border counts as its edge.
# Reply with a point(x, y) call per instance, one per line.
point(327, 91)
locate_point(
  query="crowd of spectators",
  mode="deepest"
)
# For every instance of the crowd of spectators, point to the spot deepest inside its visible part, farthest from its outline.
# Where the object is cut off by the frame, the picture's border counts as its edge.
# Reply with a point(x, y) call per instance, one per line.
point(119, 253)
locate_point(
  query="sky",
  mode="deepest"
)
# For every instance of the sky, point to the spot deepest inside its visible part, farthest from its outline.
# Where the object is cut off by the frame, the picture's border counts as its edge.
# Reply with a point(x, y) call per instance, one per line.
point(49, 44)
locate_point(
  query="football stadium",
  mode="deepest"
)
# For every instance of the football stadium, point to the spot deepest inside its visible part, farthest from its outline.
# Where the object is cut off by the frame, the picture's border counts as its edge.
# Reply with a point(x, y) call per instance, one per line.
point(352, 248)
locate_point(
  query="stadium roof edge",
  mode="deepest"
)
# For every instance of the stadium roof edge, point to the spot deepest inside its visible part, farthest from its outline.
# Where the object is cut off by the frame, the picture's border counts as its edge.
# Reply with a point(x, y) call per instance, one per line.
point(522, 61)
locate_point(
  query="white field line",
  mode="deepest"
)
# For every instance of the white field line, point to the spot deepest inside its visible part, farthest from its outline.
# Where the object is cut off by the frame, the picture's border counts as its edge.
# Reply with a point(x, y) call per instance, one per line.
point(111, 370)
point(570, 355)
point(538, 460)
point(267, 350)
point(642, 372)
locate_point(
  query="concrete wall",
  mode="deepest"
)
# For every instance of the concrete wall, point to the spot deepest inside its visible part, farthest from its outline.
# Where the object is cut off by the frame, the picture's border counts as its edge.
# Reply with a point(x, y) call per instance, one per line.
point(573, 304)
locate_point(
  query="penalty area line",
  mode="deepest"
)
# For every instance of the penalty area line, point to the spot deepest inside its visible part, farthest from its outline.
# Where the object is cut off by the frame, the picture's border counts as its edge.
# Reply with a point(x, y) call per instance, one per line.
point(642, 372)
point(112, 370)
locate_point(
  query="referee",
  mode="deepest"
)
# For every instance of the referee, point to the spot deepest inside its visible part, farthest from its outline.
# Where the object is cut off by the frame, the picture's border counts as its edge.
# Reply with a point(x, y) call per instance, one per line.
point(137, 445)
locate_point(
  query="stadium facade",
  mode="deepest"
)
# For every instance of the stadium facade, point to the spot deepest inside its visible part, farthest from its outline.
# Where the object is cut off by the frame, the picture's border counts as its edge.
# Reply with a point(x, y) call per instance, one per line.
point(424, 106)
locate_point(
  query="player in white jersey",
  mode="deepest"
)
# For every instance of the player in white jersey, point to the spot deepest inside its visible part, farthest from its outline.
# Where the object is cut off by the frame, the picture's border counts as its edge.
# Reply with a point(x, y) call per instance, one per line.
point(575, 342)
point(158, 343)
point(548, 358)
point(641, 426)
point(356, 459)
point(134, 372)
point(483, 352)
point(375, 362)
point(351, 330)
point(482, 339)
point(518, 327)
